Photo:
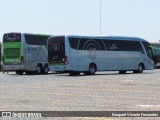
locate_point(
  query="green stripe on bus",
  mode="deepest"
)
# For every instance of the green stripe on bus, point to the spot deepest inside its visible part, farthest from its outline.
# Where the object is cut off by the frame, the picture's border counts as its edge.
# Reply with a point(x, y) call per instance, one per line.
point(12, 45)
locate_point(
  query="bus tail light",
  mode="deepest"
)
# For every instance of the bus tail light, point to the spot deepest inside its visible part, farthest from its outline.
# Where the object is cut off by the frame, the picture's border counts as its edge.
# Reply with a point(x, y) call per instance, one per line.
point(66, 60)
point(22, 60)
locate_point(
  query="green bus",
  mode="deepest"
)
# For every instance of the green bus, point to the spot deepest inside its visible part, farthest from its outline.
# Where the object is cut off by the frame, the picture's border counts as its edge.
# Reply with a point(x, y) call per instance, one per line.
point(156, 54)
point(0, 56)
point(24, 52)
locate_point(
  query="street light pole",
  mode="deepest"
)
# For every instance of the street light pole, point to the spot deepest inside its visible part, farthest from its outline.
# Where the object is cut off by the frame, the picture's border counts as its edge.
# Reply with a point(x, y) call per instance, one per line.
point(100, 16)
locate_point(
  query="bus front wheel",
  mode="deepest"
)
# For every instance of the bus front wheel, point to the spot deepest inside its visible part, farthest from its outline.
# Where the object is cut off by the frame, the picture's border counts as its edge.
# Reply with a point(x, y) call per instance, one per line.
point(140, 69)
point(92, 69)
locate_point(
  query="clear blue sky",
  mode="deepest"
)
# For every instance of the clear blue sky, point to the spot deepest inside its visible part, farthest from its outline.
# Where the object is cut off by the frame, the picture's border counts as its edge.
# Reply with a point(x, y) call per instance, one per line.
point(140, 18)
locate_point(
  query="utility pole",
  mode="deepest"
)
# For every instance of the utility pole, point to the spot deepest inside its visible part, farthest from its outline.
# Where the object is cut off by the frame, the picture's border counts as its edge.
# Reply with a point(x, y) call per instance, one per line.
point(100, 31)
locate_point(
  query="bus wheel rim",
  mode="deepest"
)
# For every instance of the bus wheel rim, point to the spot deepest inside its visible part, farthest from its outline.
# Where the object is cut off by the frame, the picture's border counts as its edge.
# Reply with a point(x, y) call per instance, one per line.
point(92, 69)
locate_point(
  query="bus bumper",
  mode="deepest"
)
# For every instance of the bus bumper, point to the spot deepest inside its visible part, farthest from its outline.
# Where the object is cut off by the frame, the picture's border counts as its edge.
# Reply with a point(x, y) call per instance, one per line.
point(58, 68)
point(13, 67)
point(150, 66)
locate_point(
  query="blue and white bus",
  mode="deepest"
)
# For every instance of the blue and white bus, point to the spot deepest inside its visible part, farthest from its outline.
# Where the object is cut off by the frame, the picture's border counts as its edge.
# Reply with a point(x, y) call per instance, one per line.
point(88, 54)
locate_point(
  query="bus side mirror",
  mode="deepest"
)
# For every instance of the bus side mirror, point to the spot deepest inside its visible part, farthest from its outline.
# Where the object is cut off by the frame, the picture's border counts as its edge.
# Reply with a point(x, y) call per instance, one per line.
point(141, 52)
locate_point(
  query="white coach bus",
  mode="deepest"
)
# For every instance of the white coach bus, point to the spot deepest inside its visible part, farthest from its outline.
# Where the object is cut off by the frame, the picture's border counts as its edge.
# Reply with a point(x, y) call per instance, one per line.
point(88, 54)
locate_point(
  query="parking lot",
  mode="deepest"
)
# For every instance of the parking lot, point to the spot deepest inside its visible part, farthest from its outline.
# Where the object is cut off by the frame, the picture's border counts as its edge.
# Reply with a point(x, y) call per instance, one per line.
point(105, 91)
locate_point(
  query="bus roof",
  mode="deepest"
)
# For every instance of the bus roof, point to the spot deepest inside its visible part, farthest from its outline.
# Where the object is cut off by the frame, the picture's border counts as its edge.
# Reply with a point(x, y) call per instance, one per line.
point(28, 33)
point(36, 34)
point(104, 37)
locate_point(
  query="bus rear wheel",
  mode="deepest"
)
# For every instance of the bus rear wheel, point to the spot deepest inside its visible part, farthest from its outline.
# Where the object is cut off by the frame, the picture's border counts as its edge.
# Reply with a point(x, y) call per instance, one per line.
point(92, 69)
point(38, 69)
point(45, 69)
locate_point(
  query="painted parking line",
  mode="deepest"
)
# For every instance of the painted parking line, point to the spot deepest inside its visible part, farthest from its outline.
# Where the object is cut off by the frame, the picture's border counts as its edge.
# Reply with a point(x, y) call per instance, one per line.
point(149, 106)
point(65, 103)
point(83, 95)
point(59, 102)
point(85, 88)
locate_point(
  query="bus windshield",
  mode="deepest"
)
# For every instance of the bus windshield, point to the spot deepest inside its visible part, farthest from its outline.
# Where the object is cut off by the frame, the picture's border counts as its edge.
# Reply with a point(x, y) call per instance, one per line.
point(12, 37)
point(148, 49)
point(56, 50)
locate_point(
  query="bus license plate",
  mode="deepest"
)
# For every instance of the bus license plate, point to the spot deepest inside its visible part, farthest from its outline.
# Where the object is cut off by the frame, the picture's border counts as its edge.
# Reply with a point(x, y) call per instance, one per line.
point(12, 67)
